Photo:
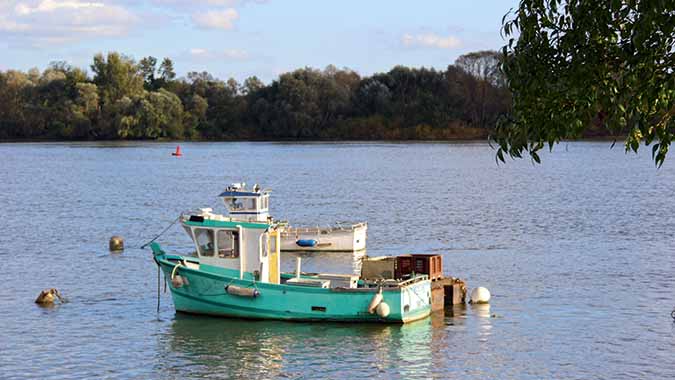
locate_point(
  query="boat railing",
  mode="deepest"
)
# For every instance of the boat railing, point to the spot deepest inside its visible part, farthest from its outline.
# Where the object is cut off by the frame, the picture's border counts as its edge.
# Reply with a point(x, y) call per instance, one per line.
point(418, 278)
point(318, 229)
point(391, 283)
point(351, 225)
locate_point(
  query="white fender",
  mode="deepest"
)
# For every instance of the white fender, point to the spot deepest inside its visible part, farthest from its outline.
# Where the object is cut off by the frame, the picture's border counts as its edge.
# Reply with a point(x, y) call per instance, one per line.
point(377, 298)
point(383, 310)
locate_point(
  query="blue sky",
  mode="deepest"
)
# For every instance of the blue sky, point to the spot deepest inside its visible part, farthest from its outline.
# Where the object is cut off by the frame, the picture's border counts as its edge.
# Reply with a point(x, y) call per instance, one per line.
point(240, 38)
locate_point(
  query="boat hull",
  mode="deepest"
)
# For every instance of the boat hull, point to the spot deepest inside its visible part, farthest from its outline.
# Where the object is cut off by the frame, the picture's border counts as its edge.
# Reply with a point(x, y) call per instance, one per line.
point(203, 292)
point(330, 239)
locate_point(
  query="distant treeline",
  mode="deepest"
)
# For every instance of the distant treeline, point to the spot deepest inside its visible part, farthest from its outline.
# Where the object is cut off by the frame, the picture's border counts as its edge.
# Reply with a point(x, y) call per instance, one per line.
point(125, 99)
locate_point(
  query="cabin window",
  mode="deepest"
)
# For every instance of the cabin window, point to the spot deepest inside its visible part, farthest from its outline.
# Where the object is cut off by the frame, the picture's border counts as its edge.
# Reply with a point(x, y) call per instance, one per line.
point(236, 204)
point(273, 244)
point(189, 231)
point(265, 246)
point(252, 203)
point(204, 240)
point(228, 244)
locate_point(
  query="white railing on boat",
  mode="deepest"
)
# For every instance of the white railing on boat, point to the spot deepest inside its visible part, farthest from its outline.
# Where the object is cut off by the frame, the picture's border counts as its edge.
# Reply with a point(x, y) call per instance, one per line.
point(319, 229)
point(419, 277)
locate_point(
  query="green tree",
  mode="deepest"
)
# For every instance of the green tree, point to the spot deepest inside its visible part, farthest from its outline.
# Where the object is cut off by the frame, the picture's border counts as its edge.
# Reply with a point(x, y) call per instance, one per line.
point(483, 94)
point(573, 65)
point(195, 115)
point(85, 109)
point(13, 108)
point(167, 74)
point(116, 76)
point(129, 100)
point(166, 70)
point(483, 65)
point(233, 86)
point(148, 68)
point(251, 85)
point(118, 80)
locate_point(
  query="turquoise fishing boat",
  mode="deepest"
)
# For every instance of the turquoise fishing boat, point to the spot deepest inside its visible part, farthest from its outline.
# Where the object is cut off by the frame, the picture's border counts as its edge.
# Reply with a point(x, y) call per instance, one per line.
point(235, 273)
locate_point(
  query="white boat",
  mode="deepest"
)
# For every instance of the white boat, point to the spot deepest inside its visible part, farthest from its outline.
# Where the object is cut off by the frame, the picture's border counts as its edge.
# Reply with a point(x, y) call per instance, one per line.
point(340, 237)
point(252, 205)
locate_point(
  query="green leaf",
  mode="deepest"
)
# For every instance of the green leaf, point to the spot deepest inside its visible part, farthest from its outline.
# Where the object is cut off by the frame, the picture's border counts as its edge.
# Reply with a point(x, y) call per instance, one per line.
point(500, 155)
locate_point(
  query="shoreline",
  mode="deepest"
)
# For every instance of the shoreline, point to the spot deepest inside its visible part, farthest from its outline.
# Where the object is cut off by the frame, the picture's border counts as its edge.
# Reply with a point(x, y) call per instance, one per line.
point(46, 140)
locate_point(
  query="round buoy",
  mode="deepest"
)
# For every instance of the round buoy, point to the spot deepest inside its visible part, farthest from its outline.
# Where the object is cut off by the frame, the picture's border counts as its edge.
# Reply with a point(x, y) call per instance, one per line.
point(48, 296)
point(383, 310)
point(116, 243)
point(480, 295)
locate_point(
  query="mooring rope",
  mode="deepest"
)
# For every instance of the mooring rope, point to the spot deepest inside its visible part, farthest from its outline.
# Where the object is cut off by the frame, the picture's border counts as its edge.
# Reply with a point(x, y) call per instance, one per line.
point(175, 269)
point(158, 289)
point(163, 232)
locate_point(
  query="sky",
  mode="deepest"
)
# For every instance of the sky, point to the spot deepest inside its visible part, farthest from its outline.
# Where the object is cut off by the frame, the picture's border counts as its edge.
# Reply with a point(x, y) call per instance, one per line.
point(242, 38)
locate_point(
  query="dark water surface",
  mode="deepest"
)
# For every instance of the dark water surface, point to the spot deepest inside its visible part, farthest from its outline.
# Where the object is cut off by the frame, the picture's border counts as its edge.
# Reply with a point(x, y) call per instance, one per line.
point(578, 253)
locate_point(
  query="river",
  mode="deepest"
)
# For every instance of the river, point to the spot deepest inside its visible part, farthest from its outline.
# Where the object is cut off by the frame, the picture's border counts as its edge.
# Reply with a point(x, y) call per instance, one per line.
point(578, 254)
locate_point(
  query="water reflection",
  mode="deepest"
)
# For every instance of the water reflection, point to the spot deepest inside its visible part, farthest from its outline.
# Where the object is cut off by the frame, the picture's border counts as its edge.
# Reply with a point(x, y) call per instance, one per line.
point(232, 348)
point(455, 315)
point(413, 349)
point(227, 348)
point(482, 311)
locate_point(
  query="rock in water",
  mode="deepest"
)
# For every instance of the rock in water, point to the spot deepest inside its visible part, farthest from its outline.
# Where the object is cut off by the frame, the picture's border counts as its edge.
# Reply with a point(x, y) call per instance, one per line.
point(48, 296)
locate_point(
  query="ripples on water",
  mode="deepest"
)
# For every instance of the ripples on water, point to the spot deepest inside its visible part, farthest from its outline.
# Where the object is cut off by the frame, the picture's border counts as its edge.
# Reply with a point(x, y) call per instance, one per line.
point(578, 253)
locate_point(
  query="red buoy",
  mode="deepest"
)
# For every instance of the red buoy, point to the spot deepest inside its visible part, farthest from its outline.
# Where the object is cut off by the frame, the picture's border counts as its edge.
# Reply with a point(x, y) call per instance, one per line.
point(177, 153)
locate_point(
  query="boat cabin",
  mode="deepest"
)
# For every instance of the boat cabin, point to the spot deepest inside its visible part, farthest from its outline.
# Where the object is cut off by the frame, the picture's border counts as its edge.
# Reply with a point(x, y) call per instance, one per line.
point(252, 248)
point(247, 204)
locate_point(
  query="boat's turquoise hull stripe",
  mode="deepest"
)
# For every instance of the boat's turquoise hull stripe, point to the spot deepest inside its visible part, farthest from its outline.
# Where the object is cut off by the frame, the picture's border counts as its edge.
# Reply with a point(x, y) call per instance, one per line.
point(204, 293)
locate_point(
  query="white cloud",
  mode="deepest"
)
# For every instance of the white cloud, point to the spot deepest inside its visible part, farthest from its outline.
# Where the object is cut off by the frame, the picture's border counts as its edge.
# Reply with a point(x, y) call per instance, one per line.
point(430, 40)
point(8, 25)
point(198, 52)
point(229, 54)
point(48, 22)
point(224, 19)
point(235, 54)
point(52, 5)
point(192, 3)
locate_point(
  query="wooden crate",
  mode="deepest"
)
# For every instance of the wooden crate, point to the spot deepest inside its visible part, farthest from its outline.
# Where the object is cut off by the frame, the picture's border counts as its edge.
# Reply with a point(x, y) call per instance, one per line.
point(378, 268)
point(404, 266)
point(431, 265)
